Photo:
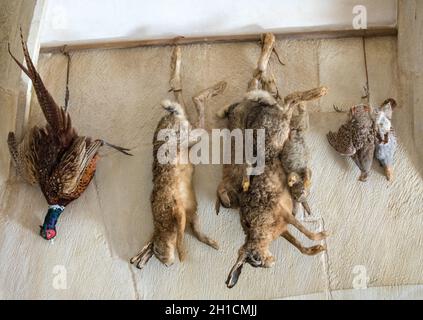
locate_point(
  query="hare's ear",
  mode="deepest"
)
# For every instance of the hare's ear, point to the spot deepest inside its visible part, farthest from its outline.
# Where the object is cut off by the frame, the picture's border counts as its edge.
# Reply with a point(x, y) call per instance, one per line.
point(236, 269)
point(306, 207)
point(142, 258)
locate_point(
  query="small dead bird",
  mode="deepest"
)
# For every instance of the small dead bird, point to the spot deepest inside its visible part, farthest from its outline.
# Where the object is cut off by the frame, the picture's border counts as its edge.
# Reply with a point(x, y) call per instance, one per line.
point(386, 141)
point(266, 212)
point(295, 159)
point(173, 200)
point(55, 157)
point(356, 139)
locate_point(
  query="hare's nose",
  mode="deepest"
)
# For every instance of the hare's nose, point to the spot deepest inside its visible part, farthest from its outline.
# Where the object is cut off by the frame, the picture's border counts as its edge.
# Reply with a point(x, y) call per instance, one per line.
point(256, 257)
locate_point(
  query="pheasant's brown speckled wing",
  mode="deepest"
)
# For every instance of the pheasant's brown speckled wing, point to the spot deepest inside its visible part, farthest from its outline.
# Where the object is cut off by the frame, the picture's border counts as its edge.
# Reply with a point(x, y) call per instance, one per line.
point(71, 172)
point(342, 141)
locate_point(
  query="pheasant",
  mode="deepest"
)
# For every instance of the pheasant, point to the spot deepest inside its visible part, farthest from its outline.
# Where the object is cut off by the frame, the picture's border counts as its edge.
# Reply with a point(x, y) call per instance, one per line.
point(55, 157)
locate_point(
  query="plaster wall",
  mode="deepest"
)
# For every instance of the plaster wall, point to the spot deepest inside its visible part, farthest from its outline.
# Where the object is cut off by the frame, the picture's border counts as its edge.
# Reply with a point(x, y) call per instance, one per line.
point(410, 59)
point(115, 95)
point(12, 13)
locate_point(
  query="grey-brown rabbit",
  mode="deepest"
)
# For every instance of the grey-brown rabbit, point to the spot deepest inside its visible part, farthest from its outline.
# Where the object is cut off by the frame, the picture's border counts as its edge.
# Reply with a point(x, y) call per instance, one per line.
point(295, 159)
point(231, 185)
point(233, 173)
point(266, 212)
point(173, 200)
point(275, 117)
point(266, 205)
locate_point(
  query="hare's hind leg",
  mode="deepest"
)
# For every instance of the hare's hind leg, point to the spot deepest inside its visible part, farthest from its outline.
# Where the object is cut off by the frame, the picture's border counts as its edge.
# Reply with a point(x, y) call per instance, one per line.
point(142, 258)
point(203, 97)
point(180, 216)
point(196, 230)
point(310, 251)
point(223, 197)
point(268, 44)
point(311, 235)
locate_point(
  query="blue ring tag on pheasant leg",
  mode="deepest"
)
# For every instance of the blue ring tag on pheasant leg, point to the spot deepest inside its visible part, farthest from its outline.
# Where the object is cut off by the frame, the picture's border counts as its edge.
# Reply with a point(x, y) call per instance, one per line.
point(48, 230)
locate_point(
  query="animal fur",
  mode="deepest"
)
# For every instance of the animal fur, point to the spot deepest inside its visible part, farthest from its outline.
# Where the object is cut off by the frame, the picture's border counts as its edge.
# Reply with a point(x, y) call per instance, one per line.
point(276, 120)
point(295, 159)
point(266, 212)
point(266, 206)
point(173, 201)
point(231, 185)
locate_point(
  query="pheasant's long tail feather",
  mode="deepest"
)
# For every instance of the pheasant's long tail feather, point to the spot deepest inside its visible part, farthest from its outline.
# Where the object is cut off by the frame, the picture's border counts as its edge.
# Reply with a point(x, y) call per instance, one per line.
point(57, 118)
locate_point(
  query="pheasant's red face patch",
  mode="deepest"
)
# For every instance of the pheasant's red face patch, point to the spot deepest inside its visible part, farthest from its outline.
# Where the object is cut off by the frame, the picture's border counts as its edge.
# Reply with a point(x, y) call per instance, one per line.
point(48, 234)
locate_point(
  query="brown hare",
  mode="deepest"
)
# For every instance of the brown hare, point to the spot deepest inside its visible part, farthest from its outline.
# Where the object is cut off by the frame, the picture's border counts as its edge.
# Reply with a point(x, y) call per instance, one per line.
point(173, 200)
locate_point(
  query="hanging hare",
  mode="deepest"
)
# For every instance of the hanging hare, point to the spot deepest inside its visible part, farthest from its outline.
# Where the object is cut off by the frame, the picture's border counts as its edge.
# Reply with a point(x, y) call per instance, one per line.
point(173, 200)
point(266, 212)
point(295, 159)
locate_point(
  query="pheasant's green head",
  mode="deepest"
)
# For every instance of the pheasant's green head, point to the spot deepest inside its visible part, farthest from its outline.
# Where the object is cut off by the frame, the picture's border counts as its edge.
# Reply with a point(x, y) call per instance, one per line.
point(48, 229)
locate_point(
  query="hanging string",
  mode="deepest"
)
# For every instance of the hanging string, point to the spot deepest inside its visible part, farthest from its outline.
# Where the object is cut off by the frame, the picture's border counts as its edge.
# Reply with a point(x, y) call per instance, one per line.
point(367, 87)
point(277, 56)
point(67, 55)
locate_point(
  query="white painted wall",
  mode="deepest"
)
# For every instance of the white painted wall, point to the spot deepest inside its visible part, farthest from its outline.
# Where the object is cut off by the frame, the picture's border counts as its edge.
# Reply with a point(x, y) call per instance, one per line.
point(69, 21)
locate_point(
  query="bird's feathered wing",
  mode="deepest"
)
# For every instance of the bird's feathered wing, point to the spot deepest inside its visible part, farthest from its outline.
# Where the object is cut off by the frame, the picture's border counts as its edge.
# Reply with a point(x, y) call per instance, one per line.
point(342, 141)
